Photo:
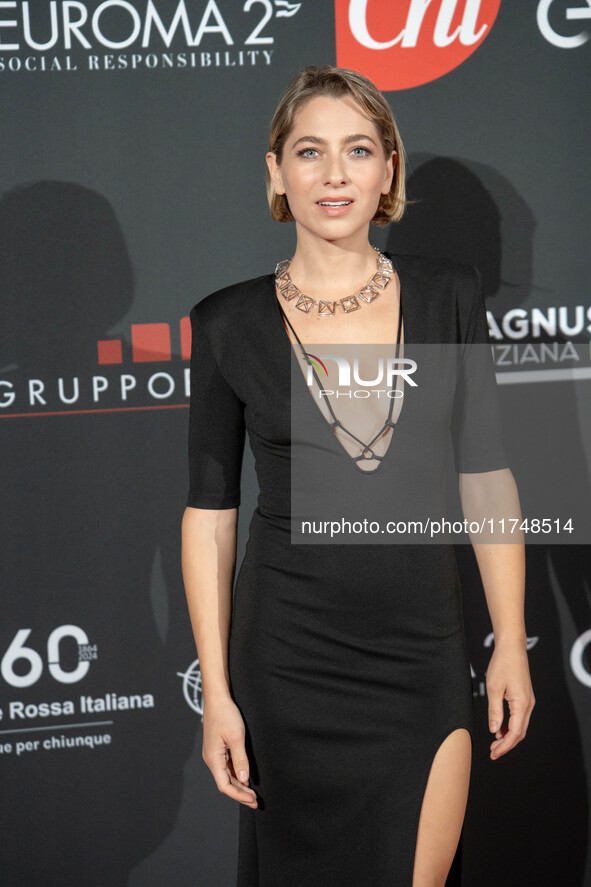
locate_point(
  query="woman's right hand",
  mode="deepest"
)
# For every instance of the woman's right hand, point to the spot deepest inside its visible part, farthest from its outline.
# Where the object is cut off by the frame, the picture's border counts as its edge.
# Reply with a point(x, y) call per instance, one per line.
point(224, 751)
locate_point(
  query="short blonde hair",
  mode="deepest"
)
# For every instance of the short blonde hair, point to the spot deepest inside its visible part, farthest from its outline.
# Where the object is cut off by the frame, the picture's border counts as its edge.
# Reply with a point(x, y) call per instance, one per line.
point(334, 82)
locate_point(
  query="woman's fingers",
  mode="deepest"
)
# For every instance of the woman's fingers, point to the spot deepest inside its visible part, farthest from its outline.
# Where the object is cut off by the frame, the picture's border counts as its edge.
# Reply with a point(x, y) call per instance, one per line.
point(508, 737)
point(239, 761)
point(227, 782)
point(238, 767)
point(495, 709)
point(251, 800)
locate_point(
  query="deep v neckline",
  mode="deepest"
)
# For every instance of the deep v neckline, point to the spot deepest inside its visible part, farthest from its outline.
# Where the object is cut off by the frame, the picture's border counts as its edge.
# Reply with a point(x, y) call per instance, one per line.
point(330, 426)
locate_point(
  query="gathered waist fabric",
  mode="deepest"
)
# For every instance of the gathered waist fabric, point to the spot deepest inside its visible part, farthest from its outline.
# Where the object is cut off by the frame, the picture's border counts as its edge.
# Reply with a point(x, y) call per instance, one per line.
point(419, 584)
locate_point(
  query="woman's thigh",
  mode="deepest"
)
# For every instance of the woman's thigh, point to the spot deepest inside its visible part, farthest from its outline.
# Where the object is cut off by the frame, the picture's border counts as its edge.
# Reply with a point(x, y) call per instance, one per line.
point(443, 809)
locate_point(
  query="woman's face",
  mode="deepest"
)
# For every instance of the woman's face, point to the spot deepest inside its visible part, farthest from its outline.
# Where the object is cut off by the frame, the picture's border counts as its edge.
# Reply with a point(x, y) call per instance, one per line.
point(333, 170)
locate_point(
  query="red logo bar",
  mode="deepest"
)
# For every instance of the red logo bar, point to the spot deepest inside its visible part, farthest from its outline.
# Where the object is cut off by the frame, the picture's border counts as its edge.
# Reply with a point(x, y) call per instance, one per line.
point(185, 338)
point(109, 351)
point(150, 342)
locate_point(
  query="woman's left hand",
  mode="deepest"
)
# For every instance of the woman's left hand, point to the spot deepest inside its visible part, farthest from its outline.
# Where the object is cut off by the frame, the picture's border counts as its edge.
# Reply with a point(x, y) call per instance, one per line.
point(508, 677)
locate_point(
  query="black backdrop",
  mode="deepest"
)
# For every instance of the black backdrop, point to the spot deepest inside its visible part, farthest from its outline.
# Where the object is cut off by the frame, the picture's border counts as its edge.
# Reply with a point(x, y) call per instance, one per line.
point(132, 183)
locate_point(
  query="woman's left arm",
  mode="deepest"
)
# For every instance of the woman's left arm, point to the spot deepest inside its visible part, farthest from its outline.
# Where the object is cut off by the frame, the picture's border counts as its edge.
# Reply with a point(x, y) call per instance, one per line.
point(490, 498)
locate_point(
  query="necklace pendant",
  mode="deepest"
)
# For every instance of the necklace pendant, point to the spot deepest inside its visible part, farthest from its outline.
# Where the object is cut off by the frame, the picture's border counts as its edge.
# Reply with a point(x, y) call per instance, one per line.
point(304, 303)
point(368, 293)
point(380, 279)
point(349, 303)
point(283, 280)
point(290, 291)
point(326, 309)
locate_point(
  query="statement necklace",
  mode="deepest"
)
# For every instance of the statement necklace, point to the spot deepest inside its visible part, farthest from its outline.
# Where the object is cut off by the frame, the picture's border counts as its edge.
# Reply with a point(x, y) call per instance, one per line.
point(326, 308)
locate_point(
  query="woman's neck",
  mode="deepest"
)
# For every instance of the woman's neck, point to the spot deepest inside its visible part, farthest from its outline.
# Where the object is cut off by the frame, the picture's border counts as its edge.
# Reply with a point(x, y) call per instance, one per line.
point(332, 269)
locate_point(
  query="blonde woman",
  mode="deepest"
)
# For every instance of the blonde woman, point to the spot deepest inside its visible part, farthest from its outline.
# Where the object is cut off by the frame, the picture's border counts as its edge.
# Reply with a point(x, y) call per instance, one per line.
point(337, 692)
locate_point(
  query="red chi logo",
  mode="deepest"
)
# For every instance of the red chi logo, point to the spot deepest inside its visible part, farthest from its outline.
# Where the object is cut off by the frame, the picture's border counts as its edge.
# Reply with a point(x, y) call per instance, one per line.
point(404, 44)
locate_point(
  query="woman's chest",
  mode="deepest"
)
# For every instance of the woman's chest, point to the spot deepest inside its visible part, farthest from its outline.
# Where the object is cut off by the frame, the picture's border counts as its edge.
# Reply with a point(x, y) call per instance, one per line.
point(268, 364)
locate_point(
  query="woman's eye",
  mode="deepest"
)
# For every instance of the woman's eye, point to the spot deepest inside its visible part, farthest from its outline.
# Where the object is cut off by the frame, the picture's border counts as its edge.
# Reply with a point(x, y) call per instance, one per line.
point(307, 152)
point(360, 151)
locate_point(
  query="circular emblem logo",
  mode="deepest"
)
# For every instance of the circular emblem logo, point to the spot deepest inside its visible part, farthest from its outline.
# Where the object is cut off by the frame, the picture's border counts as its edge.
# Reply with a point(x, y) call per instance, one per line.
point(192, 689)
point(406, 43)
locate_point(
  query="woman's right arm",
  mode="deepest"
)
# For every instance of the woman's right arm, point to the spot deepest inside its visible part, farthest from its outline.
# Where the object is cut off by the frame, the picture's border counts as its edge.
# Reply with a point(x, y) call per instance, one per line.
point(209, 562)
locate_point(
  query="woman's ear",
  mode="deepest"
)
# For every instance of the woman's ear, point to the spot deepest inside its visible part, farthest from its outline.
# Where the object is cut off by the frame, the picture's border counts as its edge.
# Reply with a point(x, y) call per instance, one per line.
point(275, 172)
point(390, 167)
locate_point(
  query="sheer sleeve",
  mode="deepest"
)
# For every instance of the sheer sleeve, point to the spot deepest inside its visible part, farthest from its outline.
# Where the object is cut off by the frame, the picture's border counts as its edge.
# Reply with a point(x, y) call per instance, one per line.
point(216, 429)
point(477, 422)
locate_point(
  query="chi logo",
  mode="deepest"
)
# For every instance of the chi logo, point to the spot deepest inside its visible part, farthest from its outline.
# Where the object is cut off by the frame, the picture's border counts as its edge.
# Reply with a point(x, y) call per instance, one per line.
point(410, 42)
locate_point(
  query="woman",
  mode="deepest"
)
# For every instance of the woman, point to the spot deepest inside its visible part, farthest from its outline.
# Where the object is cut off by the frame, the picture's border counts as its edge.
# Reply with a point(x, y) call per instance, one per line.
point(336, 685)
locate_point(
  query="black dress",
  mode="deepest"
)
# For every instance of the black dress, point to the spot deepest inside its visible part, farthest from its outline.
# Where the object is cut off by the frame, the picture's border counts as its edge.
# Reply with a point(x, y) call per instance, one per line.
point(348, 662)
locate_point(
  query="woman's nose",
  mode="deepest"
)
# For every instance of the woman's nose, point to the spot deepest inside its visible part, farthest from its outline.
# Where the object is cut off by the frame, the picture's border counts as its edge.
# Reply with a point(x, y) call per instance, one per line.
point(335, 173)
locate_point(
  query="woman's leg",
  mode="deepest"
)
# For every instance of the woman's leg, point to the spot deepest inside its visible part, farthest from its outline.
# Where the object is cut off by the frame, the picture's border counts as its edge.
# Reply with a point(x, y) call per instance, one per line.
point(443, 809)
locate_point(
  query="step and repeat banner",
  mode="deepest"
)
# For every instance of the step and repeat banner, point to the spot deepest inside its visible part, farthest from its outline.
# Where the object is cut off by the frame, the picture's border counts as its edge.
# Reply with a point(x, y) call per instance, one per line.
point(133, 137)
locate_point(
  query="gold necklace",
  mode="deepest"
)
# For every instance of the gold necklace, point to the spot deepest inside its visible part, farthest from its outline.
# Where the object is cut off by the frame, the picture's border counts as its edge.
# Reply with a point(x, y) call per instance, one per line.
point(326, 308)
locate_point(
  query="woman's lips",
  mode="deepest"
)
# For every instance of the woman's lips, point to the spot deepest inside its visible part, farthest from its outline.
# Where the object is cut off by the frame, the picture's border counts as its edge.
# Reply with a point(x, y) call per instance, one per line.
point(335, 207)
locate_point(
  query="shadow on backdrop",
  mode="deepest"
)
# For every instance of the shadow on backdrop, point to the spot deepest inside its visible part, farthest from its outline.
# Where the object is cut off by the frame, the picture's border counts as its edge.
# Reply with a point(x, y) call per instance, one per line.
point(91, 504)
point(528, 811)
